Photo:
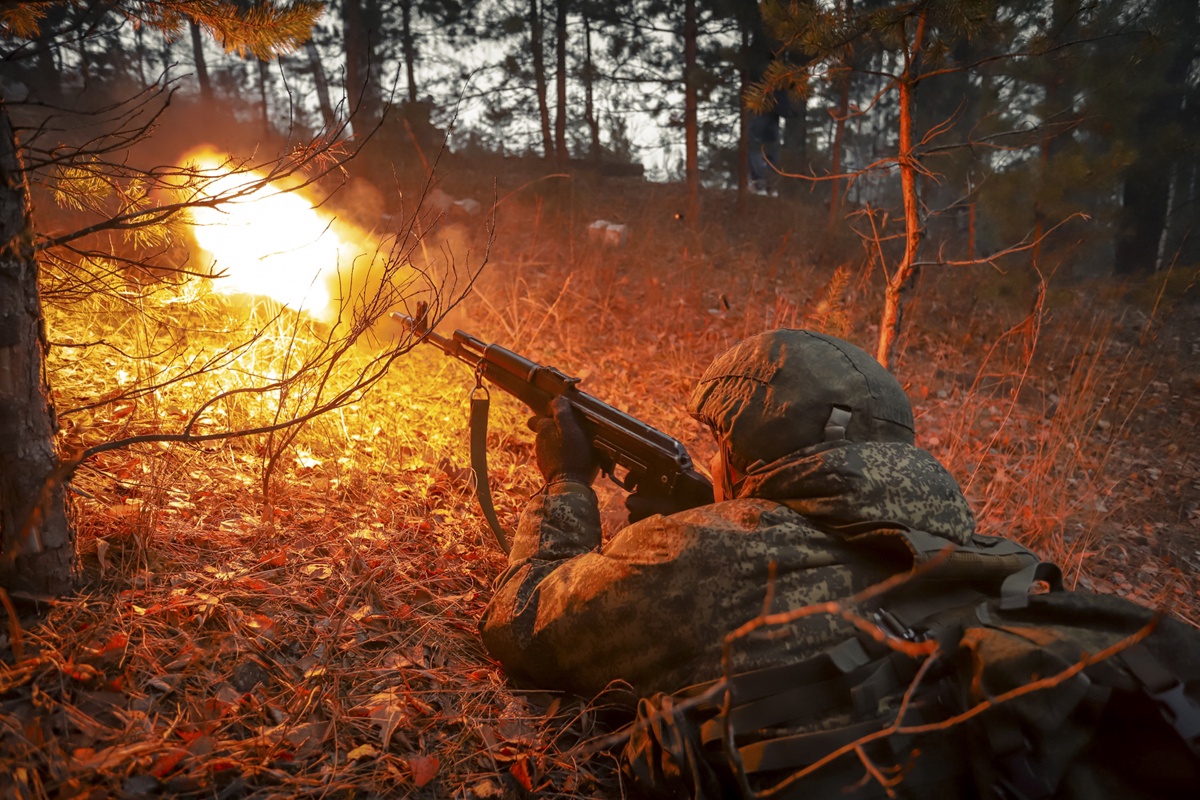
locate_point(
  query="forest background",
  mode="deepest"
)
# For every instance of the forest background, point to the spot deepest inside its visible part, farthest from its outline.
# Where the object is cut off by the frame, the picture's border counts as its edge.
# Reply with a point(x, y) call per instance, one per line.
point(240, 543)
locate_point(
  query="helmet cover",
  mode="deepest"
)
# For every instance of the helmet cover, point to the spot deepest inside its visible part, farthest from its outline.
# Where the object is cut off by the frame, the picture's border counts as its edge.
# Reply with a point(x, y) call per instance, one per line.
point(775, 394)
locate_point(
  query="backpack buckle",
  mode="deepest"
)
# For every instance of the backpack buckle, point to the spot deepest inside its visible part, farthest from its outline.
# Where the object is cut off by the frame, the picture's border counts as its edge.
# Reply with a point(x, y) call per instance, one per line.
point(890, 624)
point(1181, 712)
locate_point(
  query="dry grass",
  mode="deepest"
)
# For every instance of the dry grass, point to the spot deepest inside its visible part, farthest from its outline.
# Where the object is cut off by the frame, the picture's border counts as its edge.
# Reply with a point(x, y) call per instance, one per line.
point(320, 641)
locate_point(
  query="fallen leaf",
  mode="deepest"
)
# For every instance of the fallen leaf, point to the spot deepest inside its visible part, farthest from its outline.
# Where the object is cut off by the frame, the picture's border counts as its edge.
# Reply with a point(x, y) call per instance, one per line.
point(423, 769)
point(520, 770)
point(362, 751)
point(305, 739)
point(318, 572)
point(517, 731)
point(255, 585)
point(167, 762)
point(387, 711)
point(487, 789)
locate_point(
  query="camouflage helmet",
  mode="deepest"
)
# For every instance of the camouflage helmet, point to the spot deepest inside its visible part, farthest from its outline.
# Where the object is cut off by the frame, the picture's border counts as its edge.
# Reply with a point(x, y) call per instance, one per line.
point(796, 391)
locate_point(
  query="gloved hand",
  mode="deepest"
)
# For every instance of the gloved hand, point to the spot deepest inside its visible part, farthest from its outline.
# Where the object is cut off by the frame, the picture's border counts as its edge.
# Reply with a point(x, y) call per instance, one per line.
point(561, 447)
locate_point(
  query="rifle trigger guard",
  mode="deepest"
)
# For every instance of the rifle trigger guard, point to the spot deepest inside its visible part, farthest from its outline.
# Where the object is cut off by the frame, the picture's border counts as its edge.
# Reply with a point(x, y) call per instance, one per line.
point(626, 484)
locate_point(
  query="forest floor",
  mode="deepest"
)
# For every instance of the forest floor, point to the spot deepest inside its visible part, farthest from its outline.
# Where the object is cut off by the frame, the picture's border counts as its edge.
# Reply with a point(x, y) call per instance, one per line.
point(321, 642)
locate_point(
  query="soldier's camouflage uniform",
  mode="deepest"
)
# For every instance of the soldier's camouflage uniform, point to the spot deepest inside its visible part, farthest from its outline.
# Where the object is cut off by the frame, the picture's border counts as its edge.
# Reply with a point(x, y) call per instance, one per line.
point(652, 606)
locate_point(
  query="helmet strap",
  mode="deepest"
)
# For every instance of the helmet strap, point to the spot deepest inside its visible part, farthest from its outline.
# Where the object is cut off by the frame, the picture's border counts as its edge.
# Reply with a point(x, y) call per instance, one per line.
point(732, 484)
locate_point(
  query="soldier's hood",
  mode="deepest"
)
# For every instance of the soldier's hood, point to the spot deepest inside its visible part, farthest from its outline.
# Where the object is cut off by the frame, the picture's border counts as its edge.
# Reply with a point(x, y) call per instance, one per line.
point(857, 487)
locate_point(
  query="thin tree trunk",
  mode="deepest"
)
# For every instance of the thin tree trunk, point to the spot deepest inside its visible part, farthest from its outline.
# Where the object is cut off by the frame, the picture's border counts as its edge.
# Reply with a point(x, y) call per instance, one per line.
point(839, 132)
point(206, 91)
point(359, 86)
point(408, 45)
point(48, 85)
point(264, 77)
point(560, 82)
point(140, 39)
point(691, 116)
point(589, 109)
point(37, 543)
point(839, 127)
point(905, 272)
point(1160, 256)
point(539, 75)
point(321, 84)
point(743, 152)
point(793, 156)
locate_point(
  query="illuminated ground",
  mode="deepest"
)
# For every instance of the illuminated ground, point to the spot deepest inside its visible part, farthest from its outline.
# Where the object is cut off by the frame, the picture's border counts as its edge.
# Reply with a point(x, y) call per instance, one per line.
point(321, 642)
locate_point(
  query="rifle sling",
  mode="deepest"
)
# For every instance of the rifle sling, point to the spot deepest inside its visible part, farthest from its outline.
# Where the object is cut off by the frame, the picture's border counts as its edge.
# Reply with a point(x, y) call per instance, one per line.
point(483, 490)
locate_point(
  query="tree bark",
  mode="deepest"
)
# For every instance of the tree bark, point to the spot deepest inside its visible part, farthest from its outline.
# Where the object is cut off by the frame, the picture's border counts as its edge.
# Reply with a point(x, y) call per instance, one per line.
point(560, 82)
point(908, 161)
point(321, 84)
point(408, 45)
point(206, 91)
point(589, 108)
point(691, 115)
point(37, 543)
point(264, 79)
point(743, 147)
point(839, 125)
point(539, 75)
point(361, 90)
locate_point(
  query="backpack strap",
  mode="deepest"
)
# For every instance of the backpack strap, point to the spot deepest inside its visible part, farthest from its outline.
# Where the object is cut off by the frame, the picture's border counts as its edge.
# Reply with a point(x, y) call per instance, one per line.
point(1015, 591)
point(1167, 691)
point(845, 678)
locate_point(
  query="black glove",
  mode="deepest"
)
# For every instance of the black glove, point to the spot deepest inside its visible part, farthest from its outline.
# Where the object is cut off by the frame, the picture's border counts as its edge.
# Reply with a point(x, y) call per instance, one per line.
point(561, 448)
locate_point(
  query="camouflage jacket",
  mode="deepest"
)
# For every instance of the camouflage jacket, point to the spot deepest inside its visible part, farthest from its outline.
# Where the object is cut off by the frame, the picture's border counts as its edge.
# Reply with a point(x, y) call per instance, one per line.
point(648, 611)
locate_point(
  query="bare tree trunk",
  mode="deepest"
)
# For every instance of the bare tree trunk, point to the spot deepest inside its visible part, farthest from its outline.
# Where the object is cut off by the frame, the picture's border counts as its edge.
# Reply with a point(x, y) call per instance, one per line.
point(589, 110)
point(839, 123)
point(37, 543)
point(206, 91)
point(48, 85)
point(743, 148)
point(140, 39)
point(691, 116)
point(539, 74)
point(361, 89)
point(264, 96)
point(408, 45)
point(898, 281)
point(560, 82)
point(321, 84)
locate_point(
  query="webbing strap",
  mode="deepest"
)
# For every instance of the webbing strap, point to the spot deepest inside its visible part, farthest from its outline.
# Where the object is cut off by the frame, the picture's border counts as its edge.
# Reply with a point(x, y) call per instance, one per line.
point(483, 490)
point(859, 690)
point(801, 703)
point(1014, 592)
point(747, 687)
point(800, 750)
point(1179, 710)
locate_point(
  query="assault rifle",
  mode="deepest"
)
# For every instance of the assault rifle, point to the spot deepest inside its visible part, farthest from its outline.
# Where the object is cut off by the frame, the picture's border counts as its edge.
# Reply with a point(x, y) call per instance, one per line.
point(634, 455)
